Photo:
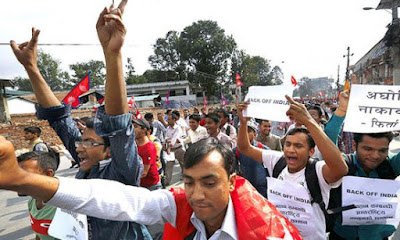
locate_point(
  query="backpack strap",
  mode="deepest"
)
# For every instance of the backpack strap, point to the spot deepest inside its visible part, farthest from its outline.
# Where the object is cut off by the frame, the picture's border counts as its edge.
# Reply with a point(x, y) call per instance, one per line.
point(228, 130)
point(279, 166)
point(385, 170)
point(348, 158)
point(313, 184)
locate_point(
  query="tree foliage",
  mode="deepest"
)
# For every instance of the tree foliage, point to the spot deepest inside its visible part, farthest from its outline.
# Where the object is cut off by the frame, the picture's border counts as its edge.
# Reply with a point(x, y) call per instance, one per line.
point(51, 72)
point(201, 47)
point(255, 70)
point(97, 77)
point(23, 84)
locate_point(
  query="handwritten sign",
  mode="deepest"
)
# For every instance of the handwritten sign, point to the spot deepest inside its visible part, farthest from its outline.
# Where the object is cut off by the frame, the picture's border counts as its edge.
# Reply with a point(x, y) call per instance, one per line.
point(69, 225)
point(293, 201)
point(268, 102)
point(373, 109)
point(376, 201)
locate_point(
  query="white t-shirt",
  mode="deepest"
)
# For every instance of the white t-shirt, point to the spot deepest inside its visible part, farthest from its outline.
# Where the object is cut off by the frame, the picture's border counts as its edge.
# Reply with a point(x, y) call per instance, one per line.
point(271, 157)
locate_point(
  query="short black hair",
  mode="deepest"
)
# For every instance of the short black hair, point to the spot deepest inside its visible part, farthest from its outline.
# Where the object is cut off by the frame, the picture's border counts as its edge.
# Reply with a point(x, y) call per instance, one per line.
point(148, 116)
point(264, 120)
point(214, 117)
point(224, 113)
point(197, 151)
point(176, 112)
point(359, 136)
point(316, 108)
point(173, 116)
point(195, 117)
point(45, 160)
point(33, 130)
point(310, 140)
point(90, 125)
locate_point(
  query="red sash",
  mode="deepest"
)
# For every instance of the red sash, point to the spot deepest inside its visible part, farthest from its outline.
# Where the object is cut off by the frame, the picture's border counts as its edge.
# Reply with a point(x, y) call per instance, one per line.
point(256, 216)
point(40, 226)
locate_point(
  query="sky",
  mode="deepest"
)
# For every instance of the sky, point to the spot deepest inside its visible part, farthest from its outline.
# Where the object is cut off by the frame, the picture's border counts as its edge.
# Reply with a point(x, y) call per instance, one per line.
point(305, 38)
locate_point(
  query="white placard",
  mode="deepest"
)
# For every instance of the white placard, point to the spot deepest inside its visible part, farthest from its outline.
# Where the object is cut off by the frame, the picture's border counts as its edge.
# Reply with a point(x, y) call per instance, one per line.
point(293, 201)
point(373, 109)
point(69, 225)
point(268, 102)
point(169, 157)
point(376, 201)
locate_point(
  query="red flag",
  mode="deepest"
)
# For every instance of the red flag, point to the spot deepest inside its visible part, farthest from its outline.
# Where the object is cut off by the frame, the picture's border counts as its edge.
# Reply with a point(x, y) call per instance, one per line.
point(131, 102)
point(293, 80)
point(80, 88)
point(205, 102)
point(101, 100)
point(321, 94)
point(167, 100)
point(138, 115)
point(238, 82)
point(224, 100)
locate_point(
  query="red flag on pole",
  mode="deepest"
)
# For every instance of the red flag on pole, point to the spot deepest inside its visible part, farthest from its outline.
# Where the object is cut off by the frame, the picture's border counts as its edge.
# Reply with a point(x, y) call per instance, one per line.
point(167, 100)
point(238, 82)
point(132, 102)
point(205, 102)
point(138, 115)
point(80, 88)
point(224, 100)
point(294, 81)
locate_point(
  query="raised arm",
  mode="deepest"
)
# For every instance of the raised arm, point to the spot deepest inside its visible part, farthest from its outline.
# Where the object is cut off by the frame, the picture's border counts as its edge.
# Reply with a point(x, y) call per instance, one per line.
point(243, 141)
point(335, 167)
point(26, 54)
point(334, 125)
point(121, 203)
point(111, 32)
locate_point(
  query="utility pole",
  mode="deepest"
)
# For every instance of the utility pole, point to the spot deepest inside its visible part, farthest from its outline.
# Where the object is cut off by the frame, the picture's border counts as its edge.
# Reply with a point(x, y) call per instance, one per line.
point(337, 82)
point(348, 63)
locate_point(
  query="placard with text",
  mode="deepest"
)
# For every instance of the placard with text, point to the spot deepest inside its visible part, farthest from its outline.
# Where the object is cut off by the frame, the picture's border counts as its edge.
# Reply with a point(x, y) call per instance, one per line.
point(373, 109)
point(268, 102)
point(376, 201)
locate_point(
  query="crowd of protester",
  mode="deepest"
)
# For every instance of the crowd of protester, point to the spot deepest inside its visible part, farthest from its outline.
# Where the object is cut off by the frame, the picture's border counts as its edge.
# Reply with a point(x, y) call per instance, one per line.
point(224, 160)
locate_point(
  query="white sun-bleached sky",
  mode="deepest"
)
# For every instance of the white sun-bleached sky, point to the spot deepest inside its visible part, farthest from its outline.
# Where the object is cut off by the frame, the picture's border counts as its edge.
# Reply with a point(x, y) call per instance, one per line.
point(305, 38)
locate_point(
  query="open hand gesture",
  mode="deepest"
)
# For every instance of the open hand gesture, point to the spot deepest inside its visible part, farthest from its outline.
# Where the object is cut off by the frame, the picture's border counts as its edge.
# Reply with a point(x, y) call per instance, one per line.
point(110, 28)
point(26, 52)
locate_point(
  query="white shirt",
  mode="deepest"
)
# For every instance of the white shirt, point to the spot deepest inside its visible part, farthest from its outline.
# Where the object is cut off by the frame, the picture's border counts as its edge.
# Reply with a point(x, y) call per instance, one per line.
point(173, 133)
point(194, 136)
point(232, 133)
point(222, 137)
point(182, 123)
point(115, 201)
point(271, 157)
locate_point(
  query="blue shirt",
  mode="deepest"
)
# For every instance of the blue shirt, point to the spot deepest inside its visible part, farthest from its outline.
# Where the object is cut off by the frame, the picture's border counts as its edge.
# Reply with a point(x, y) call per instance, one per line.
point(252, 170)
point(125, 167)
point(367, 232)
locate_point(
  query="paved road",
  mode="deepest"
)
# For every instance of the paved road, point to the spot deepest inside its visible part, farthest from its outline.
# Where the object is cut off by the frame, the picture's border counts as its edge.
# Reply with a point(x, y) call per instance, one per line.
point(14, 220)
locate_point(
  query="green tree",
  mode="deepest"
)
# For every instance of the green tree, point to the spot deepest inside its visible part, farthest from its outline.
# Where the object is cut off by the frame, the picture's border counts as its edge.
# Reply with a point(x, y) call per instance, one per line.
point(97, 77)
point(23, 84)
point(255, 70)
point(201, 48)
point(207, 49)
point(167, 55)
point(49, 68)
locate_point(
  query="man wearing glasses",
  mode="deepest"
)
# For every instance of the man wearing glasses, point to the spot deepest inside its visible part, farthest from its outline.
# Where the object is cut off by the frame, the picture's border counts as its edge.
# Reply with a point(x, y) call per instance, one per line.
point(111, 134)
